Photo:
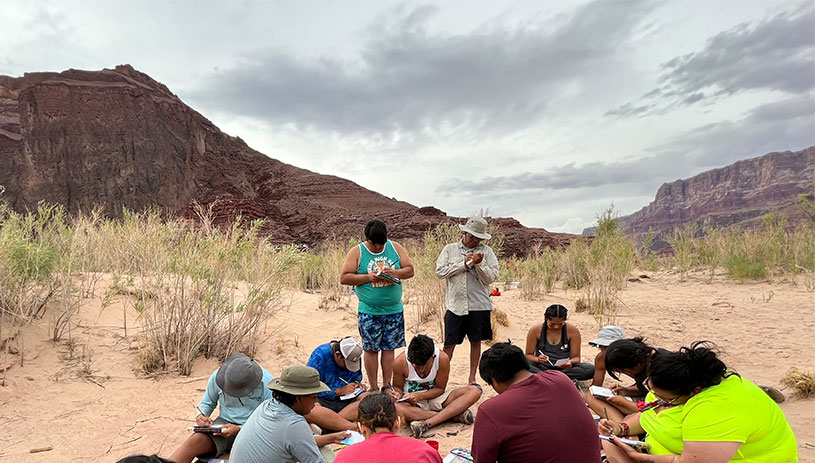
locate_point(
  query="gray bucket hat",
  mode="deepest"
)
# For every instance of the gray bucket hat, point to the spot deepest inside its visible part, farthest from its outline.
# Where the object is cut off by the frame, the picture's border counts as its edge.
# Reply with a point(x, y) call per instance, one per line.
point(477, 227)
point(239, 375)
point(607, 335)
point(299, 380)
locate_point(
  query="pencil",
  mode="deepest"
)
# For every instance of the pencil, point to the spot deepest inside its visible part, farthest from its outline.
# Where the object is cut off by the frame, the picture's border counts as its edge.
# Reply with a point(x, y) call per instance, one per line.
point(606, 412)
point(344, 381)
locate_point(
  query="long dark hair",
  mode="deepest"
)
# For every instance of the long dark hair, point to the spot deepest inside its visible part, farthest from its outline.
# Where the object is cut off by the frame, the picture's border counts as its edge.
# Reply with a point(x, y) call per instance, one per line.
point(697, 366)
point(629, 354)
point(377, 411)
point(556, 311)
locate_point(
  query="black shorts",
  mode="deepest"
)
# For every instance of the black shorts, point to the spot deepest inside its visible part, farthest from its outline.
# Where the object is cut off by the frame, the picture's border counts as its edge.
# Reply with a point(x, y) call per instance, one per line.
point(335, 405)
point(475, 325)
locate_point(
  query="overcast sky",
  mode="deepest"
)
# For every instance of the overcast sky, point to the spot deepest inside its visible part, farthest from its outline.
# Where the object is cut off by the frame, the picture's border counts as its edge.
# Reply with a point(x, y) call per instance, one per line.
point(547, 111)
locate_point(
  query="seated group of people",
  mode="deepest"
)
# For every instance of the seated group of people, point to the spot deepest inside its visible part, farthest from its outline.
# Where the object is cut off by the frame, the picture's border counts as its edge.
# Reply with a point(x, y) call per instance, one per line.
point(293, 418)
point(684, 405)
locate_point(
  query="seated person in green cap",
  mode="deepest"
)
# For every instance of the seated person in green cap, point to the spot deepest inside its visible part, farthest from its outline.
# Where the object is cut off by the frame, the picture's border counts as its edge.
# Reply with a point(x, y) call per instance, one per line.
point(240, 385)
point(277, 431)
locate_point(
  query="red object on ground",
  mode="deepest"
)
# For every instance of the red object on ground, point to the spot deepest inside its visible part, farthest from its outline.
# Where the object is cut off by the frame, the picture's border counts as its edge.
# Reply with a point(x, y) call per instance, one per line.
point(495, 292)
point(434, 444)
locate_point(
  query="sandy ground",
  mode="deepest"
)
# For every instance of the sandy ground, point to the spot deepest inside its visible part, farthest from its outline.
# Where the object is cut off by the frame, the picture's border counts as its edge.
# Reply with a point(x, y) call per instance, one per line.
point(763, 328)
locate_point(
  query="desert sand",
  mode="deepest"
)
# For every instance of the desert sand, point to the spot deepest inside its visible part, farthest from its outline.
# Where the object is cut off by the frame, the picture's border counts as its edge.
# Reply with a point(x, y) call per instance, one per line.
point(762, 328)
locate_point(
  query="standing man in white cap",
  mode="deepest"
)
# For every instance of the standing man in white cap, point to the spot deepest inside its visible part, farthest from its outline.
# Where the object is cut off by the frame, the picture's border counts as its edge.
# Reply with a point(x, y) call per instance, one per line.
point(339, 364)
point(240, 385)
point(469, 268)
point(277, 432)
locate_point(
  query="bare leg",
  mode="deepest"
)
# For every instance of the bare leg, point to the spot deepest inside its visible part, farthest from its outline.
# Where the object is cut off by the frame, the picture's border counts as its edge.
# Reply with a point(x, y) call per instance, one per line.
point(350, 412)
point(459, 400)
point(413, 413)
point(601, 407)
point(371, 369)
point(475, 357)
point(196, 444)
point(329, 419)
point(449, 350)
point(387, 367)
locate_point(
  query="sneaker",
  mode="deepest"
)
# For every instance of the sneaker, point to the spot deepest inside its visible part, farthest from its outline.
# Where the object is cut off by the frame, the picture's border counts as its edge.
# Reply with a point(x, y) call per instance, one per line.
point(417, 428)
point(465, 417)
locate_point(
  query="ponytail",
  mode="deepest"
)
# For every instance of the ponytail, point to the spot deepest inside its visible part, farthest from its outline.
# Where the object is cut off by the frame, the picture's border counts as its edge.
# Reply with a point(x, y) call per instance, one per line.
point(697, 366)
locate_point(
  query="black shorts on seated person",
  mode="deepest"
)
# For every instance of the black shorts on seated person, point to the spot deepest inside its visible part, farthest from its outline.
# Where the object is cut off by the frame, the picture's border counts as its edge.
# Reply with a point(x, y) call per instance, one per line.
point(335, 405)
point(475, 325)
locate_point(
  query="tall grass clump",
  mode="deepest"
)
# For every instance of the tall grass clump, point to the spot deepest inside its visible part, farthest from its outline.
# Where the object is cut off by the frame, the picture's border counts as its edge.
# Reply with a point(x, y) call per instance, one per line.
point(29, 261)
point(199, 290)
point(320, 269)
point(610, 259)
point(538, 273)
point(574, 264)
point(425, 288)
point(684, 245)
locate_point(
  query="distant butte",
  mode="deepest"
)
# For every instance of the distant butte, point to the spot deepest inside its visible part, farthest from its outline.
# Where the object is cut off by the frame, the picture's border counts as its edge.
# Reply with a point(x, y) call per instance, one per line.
point(736, 195)
point(117, 138)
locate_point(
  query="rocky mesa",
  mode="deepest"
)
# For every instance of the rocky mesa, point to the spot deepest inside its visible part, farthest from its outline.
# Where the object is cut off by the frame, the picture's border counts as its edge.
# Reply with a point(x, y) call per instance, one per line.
point(739, 194)
point(117, 138)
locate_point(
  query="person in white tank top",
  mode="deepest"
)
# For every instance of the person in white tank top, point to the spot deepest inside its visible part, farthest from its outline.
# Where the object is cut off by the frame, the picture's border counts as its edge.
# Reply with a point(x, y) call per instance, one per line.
point(420, 376)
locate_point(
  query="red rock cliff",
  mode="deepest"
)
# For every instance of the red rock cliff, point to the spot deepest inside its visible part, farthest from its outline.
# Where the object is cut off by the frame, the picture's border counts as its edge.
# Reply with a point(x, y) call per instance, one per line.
point(117, 138)
point(738, 194)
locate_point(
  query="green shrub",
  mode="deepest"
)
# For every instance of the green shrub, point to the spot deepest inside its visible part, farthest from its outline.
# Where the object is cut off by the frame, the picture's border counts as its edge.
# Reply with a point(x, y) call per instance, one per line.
point(741, 267)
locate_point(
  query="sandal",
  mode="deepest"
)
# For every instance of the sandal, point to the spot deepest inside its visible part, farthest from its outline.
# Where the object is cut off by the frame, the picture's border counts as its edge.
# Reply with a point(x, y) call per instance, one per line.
point(417, 428)
point(465, 417)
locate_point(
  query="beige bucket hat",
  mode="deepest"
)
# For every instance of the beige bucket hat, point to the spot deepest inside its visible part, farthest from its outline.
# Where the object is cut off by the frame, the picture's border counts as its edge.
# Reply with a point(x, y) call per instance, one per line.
point(477, 227)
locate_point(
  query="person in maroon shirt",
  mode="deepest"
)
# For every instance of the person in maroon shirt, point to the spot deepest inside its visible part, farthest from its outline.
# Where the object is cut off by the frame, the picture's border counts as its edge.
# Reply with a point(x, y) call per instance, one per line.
point(535, 417)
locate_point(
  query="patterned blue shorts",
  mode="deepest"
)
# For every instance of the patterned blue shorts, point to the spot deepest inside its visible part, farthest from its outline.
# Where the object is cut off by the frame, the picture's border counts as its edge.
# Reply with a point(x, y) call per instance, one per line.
point(382, 332)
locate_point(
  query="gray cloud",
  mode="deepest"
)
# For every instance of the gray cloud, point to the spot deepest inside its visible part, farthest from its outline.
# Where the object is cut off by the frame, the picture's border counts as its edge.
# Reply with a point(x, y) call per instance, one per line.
point(777, 53)
point(409, 81)
point(769, 127)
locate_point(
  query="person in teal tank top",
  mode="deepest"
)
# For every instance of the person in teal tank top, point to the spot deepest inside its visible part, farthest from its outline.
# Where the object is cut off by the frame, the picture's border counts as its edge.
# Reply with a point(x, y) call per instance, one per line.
point(375, 268)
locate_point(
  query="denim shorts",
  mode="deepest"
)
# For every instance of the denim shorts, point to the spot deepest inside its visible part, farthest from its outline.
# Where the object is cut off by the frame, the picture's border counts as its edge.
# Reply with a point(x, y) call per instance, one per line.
point(382, 332)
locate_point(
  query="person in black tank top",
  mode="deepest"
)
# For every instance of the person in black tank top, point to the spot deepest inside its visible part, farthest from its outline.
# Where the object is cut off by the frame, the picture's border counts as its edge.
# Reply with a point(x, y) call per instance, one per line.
point(555, 345)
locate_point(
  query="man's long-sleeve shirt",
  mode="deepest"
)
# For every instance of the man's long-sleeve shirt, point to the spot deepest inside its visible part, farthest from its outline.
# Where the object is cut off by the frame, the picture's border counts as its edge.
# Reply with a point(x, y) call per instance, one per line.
point(468, 289)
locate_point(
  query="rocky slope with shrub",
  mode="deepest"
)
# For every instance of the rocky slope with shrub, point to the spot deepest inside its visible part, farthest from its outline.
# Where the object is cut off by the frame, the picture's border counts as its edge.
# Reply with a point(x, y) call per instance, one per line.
point(116, 138)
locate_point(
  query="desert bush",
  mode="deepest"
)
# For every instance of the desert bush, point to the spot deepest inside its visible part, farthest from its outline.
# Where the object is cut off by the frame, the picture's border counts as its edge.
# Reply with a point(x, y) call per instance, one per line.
point(574, 263)
point(425, 288)
point(537, 273)
point(213, 289)
point(29, 261)
point(740, 267)
point(611, 257)
point(320, 269)
point(646, 259)
point(802, 382)
point(684, 245)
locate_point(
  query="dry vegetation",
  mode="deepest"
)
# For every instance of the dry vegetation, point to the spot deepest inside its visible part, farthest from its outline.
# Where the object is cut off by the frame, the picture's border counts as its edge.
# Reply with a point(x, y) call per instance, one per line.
point(204, 290)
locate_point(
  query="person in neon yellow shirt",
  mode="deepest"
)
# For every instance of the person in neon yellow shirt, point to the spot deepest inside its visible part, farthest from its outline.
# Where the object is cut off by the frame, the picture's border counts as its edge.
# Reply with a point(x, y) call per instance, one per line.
point(702, 412)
